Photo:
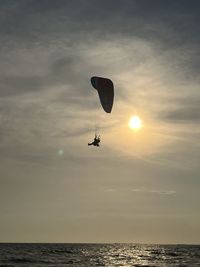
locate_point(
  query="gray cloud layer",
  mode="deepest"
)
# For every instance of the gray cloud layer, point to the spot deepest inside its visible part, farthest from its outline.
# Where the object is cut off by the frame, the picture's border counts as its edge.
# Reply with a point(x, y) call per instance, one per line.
point(49, 51)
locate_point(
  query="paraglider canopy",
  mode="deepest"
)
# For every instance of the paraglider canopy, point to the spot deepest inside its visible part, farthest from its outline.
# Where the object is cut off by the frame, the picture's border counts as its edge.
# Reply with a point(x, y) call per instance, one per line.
point(105, 90)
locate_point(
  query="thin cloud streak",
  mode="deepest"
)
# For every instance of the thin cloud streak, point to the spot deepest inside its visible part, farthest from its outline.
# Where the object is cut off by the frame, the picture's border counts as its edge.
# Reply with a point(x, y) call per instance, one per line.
point(142, 190)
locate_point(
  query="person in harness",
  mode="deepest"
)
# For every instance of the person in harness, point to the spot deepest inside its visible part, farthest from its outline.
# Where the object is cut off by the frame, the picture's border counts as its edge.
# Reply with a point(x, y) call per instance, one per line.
point(96, 141)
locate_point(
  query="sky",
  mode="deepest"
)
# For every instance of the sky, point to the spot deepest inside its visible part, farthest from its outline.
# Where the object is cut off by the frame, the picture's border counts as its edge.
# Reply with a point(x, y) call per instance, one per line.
point(138, 186)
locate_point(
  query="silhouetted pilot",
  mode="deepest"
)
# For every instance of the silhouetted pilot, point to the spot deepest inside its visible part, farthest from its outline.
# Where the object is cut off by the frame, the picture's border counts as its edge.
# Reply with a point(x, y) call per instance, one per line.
point(96, 141)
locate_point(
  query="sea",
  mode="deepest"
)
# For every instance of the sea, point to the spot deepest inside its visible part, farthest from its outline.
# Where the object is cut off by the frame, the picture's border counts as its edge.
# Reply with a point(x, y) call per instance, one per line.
point(39, 255)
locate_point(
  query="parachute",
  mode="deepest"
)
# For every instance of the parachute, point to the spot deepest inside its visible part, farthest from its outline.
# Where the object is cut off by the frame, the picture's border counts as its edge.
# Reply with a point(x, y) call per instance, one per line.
point(105, 91)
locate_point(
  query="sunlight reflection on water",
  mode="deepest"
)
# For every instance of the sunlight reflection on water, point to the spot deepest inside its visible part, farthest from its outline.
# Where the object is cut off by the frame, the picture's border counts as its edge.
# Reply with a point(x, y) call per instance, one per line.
point(39, 255)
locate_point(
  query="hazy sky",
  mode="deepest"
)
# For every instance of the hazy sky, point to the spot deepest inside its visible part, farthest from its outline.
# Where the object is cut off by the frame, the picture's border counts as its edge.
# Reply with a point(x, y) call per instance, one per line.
point(139, 186)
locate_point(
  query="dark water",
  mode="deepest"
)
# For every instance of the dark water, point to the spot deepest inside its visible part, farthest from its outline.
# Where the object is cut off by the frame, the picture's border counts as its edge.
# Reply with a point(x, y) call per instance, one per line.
point(12, 255)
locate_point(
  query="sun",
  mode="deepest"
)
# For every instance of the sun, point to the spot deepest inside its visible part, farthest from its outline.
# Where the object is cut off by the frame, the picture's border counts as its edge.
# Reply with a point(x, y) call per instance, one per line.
point(135, 122)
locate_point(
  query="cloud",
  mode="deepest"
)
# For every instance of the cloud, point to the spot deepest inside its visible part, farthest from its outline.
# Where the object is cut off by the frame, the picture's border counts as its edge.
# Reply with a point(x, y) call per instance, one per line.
point(189, 115)
point(184, 109)
point(140, 190)
point(45, 69)
point(159, 192)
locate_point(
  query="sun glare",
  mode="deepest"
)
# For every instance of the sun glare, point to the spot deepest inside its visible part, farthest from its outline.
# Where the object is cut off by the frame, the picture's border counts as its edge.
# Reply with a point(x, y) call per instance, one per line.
point(135, 123)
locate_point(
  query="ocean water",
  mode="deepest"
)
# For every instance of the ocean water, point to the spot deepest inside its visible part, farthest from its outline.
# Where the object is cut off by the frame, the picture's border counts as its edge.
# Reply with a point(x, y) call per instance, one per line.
point(12, 255)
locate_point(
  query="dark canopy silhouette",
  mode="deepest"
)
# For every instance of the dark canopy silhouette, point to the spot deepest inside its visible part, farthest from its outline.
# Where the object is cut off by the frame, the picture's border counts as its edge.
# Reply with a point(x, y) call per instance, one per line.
point(105, 91)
